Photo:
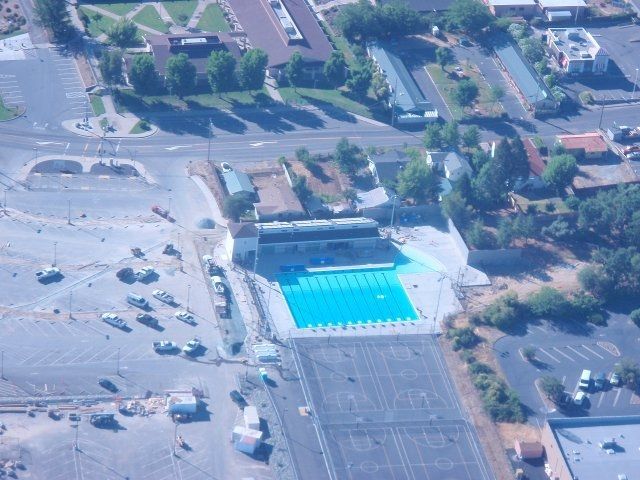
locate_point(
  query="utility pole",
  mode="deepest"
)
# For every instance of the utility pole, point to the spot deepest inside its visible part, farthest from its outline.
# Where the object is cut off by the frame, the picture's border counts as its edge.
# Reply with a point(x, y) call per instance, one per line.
point(55, 251)
point(175, 440)
point(635, 84)
point(2, 365)
point(393, 209)
point(4, 205)
point(36, 166)
point(118, 363)
point(601, 114)
point(169, 209)
point(188, 296)
point(70, 297)
point(75, 444)
point(395, 98)
point(69, 212)
point(255, 259)
point(209, 145)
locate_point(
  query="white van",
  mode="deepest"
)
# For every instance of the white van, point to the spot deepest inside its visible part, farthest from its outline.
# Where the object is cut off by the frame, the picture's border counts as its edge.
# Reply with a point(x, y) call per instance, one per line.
point(585, 379)
point(136, 300)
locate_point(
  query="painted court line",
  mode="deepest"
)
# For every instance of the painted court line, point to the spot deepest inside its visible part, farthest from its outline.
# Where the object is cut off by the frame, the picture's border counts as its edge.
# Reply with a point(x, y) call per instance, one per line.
point(595, 353)
point(577, 352)
point(548, 355)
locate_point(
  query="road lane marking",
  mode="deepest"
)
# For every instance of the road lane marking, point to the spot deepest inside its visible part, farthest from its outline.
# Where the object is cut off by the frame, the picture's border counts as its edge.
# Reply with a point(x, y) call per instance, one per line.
point(596, 354)
point(563, 354)
point(577, 352)
point(176, 147)
point(548, 354)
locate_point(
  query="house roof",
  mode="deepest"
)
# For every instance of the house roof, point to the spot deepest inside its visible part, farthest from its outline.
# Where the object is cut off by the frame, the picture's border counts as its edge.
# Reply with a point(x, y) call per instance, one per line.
point(514, 3)
point(237, 181)
point(277, 198)
point(561, 3)
point(527, 80)
point(198, 46)
point(389, 164)
point(407, 96)
point(280, 32)
point(378, 197)
point(242, 230)
point(423, 5)
point(454, 162)
point(589, 142)
point(536, 164)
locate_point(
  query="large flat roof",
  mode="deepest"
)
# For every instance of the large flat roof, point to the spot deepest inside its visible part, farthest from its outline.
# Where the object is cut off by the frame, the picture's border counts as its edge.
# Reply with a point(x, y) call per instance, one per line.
point(575, 43)
point(562, 3)
point(508, 3)
point(578, 438)
point(267, 29)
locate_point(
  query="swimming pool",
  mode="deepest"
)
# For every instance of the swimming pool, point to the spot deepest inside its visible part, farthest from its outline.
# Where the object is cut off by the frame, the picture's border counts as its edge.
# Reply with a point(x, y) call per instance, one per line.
point(346, 297)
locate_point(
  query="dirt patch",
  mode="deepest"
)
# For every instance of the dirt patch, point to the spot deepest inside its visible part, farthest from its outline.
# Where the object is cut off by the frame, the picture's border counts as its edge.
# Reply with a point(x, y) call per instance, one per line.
point(210, 176)
point(324, 179)
point(11, 17)
point(510, 432)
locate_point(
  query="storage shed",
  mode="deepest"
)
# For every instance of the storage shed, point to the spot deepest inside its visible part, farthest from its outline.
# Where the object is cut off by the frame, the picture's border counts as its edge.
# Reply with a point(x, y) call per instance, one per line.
point(251, 418)
point(528, 450)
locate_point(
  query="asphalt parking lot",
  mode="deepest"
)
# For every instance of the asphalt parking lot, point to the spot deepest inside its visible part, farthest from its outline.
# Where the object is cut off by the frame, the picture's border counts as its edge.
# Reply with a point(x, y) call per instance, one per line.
point(387, 409)
point(564, 355)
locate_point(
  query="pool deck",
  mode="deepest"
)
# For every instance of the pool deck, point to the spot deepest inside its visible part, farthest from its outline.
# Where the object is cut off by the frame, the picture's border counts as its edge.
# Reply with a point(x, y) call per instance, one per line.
point(432, 293)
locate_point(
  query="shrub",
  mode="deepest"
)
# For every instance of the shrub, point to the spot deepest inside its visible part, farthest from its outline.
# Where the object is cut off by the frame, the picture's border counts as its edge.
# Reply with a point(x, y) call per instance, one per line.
point(629, 372)
point(477, 368)
point(467, 357)
point(529, 353)
point(635, 316)
point(504, 312)
point(596, 319)
point(463, 338)
point(552, 388)
point(548, 303)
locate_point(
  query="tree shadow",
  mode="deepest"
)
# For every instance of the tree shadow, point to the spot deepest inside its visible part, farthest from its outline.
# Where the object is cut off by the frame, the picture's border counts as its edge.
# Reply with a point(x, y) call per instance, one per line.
point(267, 120)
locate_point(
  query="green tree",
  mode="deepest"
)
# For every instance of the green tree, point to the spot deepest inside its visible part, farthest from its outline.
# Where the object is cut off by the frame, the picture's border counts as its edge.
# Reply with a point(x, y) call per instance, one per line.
point(123, 33)
point(432, 139)
point(479, 159)
point(634, 316)
point(496, 94)
point(560, 171)
point(180, 75)
point(529, 353)
point(629, 372)
point(53, 15)
point(221, 69)
point(419, 182)
point(335, 69)
point(548, 303)
point(300, 187)
point(505, 233)
point(359, 81)
point(111, 66)
point(552, 388)
point(444, 57)
point(471, 137)
point(469, 16)
point(524, 226)
point(465, 92)
point(504, 313)
point(380, 86)
point(363, 21)
point(478, 236)
point(532, 49)
point(294, 70)
point(252, 69)
point(488, 186)
point(348, 157)
point(450, 134)
point(455, 207)
point(235, 206)
point(143, 75)
point(518, 166)
point(595, 280)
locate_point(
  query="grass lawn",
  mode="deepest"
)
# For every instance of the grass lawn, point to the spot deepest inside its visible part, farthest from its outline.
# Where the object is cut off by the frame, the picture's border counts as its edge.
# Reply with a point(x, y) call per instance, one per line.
point(341, 44)
point(314, 96)
point(117, 8)
point(7, 113)
point(141, 127)
point(542, 200)
point(12, 34)
point(212, 20)
point(98, 23)
point(180, 10)
point(447, 83)
point(97, 105)
point(129, 101)
point(149, 17)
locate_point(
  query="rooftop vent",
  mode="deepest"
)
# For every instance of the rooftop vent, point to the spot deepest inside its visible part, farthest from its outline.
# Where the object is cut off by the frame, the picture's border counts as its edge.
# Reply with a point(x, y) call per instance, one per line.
point(193, 41)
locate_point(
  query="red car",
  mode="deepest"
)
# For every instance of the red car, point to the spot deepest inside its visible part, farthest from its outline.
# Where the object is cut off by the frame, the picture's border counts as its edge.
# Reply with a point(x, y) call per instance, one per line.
point(160, 211)
point(632, 148)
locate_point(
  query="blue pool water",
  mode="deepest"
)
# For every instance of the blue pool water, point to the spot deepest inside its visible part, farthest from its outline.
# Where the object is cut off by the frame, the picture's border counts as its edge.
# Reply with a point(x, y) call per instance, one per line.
point(346, 297)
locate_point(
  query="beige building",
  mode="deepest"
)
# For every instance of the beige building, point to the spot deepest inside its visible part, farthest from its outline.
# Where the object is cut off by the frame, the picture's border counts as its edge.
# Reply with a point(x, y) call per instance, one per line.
point(513, 8)
point(577, 51)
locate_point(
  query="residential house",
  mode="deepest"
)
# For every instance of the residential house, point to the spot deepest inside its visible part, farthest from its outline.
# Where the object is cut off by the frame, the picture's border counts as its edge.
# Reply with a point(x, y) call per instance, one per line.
point(577, 51)
point(533, 91)
point(386, 166)
point(407, 103)
point(379, 197)
point(513, 8)
point(587, 146)
point(280, 28)
point(198, 47)
point(278, 202)
point(238, 182)
point(536, 167)
point(562, 10)
point(450, 165)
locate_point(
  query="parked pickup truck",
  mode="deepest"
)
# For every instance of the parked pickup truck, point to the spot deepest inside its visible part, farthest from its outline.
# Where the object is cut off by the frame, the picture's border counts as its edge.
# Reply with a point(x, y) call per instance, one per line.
point(114, 320)
point(144, 272)
point(165, 346)
point(45, 273)
point(191, 346)
point(163, 296)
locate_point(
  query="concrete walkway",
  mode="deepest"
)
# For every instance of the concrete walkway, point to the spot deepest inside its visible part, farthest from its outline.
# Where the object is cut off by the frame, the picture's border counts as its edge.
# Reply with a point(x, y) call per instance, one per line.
point(334, 3)
point(115, 17)
point(272, 89)
point(215, 208)
point(197, 14)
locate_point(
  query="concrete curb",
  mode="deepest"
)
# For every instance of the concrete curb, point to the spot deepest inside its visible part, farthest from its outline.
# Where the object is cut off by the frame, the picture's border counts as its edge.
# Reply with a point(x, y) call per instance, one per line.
point(92, 134)
point(16, 117)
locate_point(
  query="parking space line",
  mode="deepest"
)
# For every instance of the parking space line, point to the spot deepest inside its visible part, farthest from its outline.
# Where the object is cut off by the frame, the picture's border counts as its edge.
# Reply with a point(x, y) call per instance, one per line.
point(577, 352)
point(43, 360)
point(602, 394)
point(596, 354)
point(563, 354)
point(548, 354)
point(615, 400)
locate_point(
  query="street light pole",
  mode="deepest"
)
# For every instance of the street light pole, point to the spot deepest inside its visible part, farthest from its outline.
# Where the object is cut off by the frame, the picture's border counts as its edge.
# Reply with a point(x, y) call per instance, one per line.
point(169, 209)
point(635, 83)
point(601, 114)
point(69, 212)
point(118, 363)
point(4, 205)
point(209, 145)
point(188, 296)
point(2, 365)
point(393, 209)
point(395, 98)
point(55, 252)
point(36, 150)
point(175, 440)
point(70, 297)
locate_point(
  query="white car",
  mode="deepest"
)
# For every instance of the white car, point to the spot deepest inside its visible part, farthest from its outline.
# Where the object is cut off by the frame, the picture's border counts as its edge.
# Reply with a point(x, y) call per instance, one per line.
point(144, 272)
point(163, 296)
point(48, 272)
point(579, 397)
point(184, 317)
point(191, 346)
point(165, 346)
point(218, 284)
point(113, 320)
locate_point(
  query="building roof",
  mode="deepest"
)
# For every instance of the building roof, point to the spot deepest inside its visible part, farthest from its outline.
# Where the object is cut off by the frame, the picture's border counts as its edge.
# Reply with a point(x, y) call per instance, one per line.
point(561, 3)
point(282, 31)
point(277, 197)
point(527, 80)
point(579, 438)
point(389, 164)
point(318, 236)
point(408, 98)
point(536, 164)
point(589, 142)
point(575, 43)
point(527, 450)
point(198, 46)
point(511, 3)
point(423, 5)
point(242, 230)
point(237, 181)
point(378, 197)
